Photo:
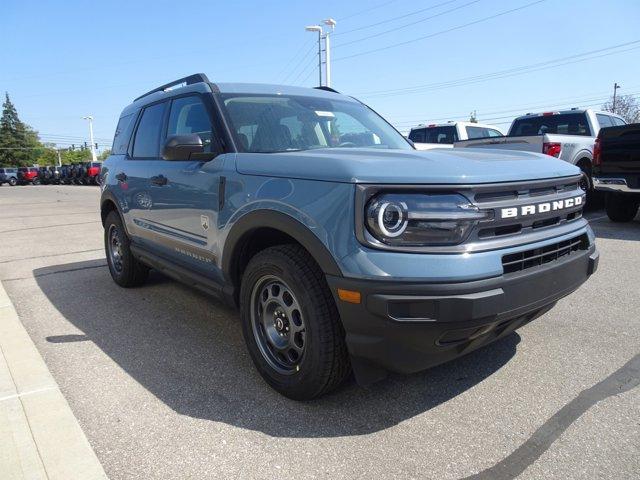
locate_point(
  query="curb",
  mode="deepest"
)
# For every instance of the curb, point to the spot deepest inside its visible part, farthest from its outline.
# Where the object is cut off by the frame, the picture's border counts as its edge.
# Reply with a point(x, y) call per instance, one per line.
point(39, 435)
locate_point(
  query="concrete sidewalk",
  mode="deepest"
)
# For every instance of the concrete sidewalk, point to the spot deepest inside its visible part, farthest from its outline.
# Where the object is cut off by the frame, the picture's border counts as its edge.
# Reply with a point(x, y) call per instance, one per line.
point(39, 435)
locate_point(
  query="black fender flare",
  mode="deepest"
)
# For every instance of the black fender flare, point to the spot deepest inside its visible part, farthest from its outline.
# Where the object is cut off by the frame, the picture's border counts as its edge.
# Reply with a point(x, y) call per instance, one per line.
point(279, 221)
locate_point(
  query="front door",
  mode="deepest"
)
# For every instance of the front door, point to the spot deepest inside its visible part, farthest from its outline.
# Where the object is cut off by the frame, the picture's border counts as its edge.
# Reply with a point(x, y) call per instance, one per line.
point(187, 208)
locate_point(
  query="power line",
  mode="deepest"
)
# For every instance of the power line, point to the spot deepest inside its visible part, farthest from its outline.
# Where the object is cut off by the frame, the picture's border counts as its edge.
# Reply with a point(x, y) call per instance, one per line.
point(394, 18)
point(304, 57)
point(310, 63)
point(540, 105)
point(358, 40)
point(424, 37)
point(300, 50)
point(502, 73)
point(360, 12)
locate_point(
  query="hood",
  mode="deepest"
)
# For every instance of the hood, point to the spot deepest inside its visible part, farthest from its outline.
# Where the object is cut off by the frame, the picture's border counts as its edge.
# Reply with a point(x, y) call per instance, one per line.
point(370, 165)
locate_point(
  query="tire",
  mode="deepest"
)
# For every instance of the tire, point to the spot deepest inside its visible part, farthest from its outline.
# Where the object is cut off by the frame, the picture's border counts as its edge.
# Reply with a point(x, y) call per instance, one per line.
point(319, 362)
point(125, 270)
point(35, 181)
point(13, 181)
point(620, 208)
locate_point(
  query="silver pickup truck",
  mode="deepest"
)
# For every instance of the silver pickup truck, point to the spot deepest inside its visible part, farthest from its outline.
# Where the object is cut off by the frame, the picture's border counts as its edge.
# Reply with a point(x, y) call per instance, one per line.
point(568, 135)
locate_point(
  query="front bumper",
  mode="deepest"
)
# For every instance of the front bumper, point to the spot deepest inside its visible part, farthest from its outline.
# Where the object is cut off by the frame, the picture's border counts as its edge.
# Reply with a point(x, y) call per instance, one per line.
point(408, 327)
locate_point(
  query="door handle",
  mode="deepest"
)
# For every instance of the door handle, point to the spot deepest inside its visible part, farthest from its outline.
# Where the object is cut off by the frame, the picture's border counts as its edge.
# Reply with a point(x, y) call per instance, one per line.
point(121, 177)
point(159, 180)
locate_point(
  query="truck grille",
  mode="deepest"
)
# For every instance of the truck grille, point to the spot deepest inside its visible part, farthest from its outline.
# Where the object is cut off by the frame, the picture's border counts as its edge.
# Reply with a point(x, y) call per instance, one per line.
point(516, 262)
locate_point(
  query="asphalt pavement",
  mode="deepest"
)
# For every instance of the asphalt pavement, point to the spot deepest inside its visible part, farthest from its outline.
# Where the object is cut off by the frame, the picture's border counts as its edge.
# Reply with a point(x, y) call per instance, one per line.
point(161, 384)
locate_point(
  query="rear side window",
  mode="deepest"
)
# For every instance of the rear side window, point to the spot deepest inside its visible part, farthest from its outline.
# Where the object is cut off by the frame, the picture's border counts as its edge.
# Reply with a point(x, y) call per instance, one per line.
point(604, 120)
point(564, 124)
point(189, 115)
point(123, 134)
point(618, 122)
point(445, 135)
point(482, 132)
point(146, 143)
point(418, 135)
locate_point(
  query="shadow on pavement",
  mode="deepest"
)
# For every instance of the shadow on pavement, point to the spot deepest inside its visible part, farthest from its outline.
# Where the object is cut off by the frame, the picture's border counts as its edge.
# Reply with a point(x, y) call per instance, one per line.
point(188, 351)
point(605, 228)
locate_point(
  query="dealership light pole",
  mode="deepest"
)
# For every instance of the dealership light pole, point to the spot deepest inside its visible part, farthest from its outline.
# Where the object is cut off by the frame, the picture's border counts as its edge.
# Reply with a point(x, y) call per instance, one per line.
point(93, 145)
point(322, 35)
point(330, 22)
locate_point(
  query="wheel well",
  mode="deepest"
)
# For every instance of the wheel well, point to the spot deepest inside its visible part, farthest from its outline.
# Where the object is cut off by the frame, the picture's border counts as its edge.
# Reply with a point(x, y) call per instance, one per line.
point(584, 162)
point(107, 207)
point(248, 245)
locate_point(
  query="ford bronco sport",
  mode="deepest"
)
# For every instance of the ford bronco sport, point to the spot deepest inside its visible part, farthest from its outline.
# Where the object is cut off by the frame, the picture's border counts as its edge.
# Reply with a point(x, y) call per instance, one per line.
point(344, 248)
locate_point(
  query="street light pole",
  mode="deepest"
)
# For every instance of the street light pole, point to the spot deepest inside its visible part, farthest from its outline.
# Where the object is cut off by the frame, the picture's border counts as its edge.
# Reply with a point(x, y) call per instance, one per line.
point(327, 50)
point(615, 89)
point(317, 28)
point(94, 158)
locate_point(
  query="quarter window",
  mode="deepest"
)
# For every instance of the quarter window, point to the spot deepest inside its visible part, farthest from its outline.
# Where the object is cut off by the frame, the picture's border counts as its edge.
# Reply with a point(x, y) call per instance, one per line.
point(604, 120)
point(482, 132)
point(123, 134)
point(146, 143)
point(189, 116)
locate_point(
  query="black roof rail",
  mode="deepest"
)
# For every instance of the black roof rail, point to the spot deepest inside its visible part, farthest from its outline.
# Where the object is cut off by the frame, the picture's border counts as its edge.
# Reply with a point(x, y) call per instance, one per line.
point(190, 80)
point(326, 89)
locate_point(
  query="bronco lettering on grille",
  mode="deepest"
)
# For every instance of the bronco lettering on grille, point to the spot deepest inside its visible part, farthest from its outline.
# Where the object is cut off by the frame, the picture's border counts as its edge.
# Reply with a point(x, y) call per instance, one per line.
point(524, 210)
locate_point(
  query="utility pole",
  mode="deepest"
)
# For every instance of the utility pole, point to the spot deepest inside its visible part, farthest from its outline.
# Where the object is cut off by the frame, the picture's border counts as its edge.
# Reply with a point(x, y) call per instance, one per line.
point(59, 157)
point(615, 89)
point(322, 35)
point(94, 158)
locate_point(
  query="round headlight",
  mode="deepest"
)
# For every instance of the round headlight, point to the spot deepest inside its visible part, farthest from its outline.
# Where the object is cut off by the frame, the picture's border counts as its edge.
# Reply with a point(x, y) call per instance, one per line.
point(388, 218)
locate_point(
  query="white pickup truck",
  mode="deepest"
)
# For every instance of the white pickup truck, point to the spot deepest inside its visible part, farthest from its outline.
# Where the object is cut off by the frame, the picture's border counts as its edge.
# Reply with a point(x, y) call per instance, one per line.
point(568, 135)
point(443, 135)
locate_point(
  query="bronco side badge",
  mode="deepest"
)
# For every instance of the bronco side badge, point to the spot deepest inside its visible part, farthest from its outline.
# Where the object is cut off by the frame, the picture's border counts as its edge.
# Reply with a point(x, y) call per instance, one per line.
point(204, 221)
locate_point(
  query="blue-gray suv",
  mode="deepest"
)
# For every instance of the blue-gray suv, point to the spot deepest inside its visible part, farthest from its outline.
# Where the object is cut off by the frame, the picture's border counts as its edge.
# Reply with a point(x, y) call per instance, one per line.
point(344, 248)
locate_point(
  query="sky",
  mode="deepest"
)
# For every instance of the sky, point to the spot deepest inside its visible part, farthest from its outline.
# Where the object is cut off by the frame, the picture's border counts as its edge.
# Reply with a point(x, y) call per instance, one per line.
point(412, 61)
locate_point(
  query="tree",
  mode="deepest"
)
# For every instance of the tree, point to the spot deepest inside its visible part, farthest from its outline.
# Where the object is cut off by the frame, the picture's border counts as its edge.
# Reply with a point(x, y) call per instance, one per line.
point(626, 106)
point(104, 155)
point(17, 140)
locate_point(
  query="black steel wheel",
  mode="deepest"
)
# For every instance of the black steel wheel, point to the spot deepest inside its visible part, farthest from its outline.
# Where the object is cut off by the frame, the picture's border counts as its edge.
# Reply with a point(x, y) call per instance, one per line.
point(291, 324)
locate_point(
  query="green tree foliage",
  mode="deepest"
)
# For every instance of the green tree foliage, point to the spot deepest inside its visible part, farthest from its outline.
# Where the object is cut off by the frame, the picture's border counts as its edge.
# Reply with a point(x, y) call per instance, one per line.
point(626, 106)
point(19, 144)
point(104, 155)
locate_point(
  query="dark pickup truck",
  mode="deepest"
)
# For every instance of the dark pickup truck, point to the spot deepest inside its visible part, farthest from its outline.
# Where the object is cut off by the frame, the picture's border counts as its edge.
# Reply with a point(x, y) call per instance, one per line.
point(616, 170)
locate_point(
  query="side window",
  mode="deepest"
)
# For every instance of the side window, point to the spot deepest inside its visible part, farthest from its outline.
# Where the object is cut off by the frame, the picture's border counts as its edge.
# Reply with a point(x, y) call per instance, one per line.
point(418, 135)
point(146, 143)
point(189, 115)
point(494, 133)
point(618, 122)
point(123, 134)
point(604, 120)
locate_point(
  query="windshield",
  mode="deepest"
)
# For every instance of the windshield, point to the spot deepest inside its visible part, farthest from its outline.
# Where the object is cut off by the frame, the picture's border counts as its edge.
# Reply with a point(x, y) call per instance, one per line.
point(281, 123)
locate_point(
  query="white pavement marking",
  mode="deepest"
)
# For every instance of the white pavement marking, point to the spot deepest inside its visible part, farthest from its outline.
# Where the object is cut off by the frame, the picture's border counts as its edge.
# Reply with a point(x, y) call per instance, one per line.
point(39, 435)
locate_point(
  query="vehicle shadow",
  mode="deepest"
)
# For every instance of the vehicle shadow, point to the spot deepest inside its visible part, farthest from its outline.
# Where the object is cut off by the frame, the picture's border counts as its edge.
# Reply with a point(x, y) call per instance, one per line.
point(187, 350)
point(605, 228)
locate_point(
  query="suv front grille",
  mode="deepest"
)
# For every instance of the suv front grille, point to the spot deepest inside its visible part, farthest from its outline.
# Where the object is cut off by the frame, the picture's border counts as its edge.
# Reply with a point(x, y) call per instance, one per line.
point(516, 262)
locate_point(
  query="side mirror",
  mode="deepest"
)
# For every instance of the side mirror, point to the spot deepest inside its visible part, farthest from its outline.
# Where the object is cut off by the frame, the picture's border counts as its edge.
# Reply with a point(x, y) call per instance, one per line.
point(180, 147)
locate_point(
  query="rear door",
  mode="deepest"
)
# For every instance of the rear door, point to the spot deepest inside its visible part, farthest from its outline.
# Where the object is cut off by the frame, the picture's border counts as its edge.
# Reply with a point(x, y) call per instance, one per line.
point(141, 198)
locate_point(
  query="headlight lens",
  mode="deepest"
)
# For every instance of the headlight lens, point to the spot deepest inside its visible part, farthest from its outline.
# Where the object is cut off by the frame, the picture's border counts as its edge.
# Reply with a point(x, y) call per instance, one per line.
point(421, 219)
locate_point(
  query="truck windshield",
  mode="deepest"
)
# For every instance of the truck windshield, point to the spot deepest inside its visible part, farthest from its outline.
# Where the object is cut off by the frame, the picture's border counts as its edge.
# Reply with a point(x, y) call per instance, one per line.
point(563, 123)
point(281, 123)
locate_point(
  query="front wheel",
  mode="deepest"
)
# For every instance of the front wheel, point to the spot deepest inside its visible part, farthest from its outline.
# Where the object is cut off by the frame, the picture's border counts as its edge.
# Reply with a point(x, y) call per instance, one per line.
point(125, 269)
point(35, 181)
point(291, 324)
point(13, 182)
point(620, 208)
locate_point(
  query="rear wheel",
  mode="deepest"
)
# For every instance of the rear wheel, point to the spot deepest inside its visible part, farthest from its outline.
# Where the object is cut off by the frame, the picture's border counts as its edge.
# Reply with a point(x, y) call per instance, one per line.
point(13, 181)
point(125, 269)
point(291, 325)
point(36, 181)
point(621, 208)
